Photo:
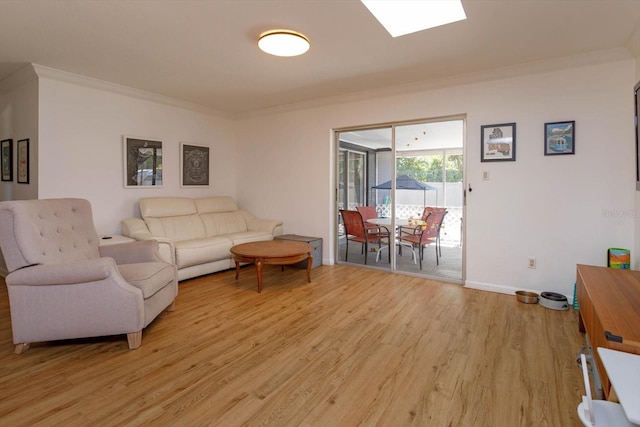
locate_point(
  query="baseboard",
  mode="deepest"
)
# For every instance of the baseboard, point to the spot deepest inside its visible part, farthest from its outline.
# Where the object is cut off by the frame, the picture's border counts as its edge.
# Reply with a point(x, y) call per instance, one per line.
point(503, 289)
point(491, 287)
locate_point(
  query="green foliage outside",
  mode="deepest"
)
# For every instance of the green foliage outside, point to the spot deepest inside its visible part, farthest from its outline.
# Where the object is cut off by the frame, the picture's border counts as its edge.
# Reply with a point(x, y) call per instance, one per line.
point(429, 168)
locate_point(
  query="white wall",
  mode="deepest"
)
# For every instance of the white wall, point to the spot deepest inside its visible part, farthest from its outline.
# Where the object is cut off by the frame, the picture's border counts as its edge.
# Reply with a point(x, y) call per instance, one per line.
point(81, 131)
point(634, 47)
point(19, 120)
point(561, 209)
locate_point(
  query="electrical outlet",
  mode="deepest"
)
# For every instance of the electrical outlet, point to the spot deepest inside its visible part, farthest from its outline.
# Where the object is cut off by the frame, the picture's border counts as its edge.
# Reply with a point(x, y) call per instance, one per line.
point(532, 262)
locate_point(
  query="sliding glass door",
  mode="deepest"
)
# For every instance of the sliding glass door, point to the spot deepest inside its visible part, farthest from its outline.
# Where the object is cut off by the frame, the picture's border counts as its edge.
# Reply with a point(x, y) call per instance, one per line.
point(363, 156)
point(411, 177)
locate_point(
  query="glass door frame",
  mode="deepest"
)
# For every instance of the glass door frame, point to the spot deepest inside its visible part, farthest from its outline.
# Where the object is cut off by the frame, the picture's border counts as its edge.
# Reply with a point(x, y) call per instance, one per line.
point(392, 126)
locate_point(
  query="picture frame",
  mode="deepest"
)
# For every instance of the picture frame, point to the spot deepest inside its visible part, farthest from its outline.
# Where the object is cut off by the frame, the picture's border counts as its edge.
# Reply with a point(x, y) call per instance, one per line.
point(194, 165)
point(559, 138)
point(22, 149)
point(142, 162)
point(498, 142)
point(6, 151)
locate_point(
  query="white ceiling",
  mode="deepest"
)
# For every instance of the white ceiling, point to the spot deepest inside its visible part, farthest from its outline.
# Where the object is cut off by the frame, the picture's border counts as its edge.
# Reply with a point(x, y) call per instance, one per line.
point(205, 52)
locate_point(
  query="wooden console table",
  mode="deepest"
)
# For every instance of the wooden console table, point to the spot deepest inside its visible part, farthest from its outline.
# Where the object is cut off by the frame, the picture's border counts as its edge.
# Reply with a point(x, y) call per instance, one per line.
point(609, 302)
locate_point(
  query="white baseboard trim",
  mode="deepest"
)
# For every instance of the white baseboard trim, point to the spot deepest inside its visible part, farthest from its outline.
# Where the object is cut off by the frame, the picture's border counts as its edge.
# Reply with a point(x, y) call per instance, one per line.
point(492, 287)
point(504, 289)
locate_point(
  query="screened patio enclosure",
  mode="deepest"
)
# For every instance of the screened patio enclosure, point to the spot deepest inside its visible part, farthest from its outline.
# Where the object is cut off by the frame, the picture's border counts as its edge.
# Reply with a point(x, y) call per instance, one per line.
point(425, 163)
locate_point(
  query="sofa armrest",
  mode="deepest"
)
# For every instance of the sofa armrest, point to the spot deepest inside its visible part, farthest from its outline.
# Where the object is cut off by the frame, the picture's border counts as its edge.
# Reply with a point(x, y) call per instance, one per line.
point(132, 252)
point(64, 274)
point(259, 224)
point(136, 228)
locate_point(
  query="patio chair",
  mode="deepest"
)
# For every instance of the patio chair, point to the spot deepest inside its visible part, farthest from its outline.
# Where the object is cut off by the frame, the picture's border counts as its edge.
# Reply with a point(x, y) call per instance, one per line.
point(368, 212)
point(424, 235)
point(431, 209)
point(357, 231)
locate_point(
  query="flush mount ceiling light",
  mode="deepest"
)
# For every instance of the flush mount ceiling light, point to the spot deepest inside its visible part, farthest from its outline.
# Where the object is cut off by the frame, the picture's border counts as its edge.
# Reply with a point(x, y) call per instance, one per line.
point(283, 43)
point(402, 17)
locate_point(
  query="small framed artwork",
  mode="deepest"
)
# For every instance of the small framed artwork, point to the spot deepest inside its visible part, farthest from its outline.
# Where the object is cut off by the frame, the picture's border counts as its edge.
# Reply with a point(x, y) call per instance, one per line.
point(7, 159)
point(23, 161)
point(559, 138)
point(142, 162)
point(498, 142)
point(194, 165)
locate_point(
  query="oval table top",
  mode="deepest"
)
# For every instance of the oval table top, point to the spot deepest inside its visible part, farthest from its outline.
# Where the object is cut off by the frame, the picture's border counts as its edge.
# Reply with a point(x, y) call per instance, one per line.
point(271, 249)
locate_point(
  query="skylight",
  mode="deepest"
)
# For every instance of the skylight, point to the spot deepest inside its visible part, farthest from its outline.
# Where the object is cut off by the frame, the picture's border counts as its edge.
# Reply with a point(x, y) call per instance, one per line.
point(402, 17)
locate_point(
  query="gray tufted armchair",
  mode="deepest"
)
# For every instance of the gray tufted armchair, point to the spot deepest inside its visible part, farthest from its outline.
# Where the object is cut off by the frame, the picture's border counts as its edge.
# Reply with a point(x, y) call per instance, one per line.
point(63, 285)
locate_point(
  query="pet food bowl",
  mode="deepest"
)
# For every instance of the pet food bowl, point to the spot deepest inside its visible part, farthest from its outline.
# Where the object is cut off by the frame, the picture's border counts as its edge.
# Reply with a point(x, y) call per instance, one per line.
point(527, 297)
point(554, 301)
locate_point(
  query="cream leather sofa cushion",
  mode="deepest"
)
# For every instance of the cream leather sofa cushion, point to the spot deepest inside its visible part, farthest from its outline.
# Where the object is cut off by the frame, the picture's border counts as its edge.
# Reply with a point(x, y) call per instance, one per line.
point(173, 217)
point(202, 251)
point(215, 204)
point(177, 228)
point(216, 224)
point(249, 236)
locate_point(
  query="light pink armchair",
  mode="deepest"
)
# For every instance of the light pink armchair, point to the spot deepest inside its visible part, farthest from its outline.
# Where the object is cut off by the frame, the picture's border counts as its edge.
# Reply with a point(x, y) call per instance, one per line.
point(63, 285)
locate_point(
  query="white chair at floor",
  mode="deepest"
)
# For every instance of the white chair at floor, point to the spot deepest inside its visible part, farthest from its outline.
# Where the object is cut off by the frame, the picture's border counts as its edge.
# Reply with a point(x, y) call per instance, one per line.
point(600, 413)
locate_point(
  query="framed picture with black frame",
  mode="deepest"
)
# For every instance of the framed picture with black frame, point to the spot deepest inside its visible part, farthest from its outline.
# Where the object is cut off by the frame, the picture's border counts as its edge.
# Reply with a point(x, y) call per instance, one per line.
point(7, 159)
point(498, 142)
point(559, 138)
point(194, 165)
point(23, 161)
point(142, 162)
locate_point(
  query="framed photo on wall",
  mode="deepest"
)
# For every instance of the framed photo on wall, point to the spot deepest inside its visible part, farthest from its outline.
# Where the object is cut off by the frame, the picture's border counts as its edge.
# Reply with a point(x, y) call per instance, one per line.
point(7, 159)
point(559, 138)
point(142, 159)
point(23, 161)
point(194, 165)
point(498, 142)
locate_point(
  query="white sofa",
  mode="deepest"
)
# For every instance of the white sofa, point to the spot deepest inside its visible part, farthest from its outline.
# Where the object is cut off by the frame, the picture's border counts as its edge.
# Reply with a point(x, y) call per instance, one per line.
point(196, 234)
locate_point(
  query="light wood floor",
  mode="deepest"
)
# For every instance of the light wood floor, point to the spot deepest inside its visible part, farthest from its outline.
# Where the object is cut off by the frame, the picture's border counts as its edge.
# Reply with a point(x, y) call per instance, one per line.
point(353, 348)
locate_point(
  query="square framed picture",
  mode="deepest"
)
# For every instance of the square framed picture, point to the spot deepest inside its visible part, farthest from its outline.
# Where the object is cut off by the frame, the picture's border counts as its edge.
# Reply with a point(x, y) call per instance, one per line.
point(142, 159)
point(23, 161)
point(498, 142)
point(559, 138)
point(194, 165)
point(7, 159)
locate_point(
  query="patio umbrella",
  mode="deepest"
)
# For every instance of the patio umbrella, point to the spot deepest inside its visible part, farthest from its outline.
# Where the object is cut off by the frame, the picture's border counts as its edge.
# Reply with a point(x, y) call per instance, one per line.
point(405, 182)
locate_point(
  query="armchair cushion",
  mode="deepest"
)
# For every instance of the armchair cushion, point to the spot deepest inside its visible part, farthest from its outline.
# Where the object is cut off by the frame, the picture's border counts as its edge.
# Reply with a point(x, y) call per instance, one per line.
point(149, 277)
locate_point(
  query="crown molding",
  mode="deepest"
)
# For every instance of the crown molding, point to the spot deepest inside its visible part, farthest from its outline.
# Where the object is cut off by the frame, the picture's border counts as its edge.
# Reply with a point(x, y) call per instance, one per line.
point(93, 83)
point(535, 67)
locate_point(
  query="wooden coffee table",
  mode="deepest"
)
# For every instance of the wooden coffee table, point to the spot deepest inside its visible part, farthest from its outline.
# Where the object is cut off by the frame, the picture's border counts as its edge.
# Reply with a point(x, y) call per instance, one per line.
point(272, 252)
